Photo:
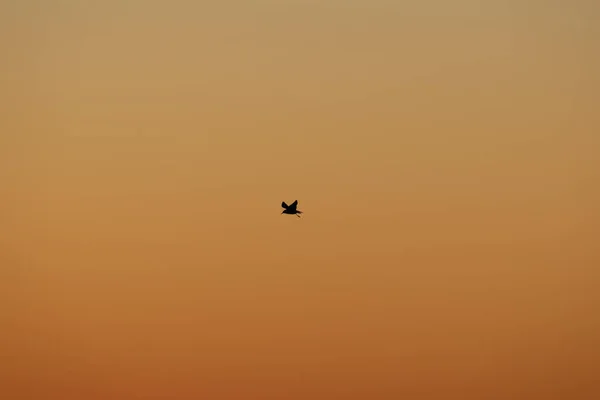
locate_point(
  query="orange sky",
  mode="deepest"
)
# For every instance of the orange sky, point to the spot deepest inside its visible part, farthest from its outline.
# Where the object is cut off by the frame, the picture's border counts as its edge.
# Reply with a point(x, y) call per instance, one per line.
point(445, 155)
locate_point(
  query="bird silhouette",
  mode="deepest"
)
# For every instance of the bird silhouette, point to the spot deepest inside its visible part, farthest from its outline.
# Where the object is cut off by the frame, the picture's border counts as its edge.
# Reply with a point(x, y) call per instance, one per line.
point(291, 209)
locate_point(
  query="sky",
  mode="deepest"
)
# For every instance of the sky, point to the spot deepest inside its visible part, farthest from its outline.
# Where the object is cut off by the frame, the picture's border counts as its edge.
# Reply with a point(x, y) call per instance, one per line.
point(445, 155)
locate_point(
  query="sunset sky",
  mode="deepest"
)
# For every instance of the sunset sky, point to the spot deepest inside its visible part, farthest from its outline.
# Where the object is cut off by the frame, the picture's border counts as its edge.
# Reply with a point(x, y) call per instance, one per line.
point(446, 155)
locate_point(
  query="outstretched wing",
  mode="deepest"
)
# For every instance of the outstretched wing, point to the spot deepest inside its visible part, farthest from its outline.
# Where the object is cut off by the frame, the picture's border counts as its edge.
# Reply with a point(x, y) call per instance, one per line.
point(294, 205)
point(284, 205)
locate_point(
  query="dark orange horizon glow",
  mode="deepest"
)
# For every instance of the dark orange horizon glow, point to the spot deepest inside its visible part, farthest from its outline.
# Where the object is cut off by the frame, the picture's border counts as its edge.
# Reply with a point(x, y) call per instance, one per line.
point(446, 156)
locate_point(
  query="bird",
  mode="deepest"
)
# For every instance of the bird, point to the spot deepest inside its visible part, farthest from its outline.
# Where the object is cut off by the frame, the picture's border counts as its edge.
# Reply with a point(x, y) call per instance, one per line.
point(291, 209)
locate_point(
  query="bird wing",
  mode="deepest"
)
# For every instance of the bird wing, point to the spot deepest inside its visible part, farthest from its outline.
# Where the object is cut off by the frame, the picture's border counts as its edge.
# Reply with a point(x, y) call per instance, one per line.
point(284, 205)
point(294, 205)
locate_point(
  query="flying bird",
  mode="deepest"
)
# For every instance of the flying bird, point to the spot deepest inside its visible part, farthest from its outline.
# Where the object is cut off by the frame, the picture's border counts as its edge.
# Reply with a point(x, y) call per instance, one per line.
point(291, 209)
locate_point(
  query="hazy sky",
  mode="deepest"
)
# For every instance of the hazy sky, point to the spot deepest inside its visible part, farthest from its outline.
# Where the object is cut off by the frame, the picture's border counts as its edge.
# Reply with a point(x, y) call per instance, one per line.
point(446, 156)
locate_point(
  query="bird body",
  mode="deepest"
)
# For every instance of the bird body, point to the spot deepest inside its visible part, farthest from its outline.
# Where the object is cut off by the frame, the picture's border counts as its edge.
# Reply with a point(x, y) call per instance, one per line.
point(291, 209)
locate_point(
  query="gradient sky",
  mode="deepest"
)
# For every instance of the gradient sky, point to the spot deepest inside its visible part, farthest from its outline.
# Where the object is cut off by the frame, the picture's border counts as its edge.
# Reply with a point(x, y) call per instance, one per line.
point(446, 156)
